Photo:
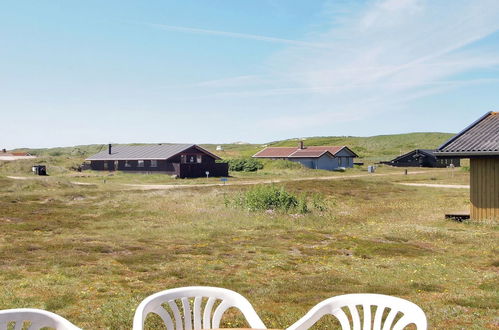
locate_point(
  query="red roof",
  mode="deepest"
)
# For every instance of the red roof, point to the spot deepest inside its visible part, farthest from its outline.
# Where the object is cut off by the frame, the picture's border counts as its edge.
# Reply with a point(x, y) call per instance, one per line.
point(14, 154)
point(295, 152)
point(276, 152)
point(332, 149)
point(308, 153)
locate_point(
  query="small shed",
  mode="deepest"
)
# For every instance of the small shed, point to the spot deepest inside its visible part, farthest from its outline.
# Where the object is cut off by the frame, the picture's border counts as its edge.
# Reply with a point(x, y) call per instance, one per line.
point(480, 143)
point(423, 158)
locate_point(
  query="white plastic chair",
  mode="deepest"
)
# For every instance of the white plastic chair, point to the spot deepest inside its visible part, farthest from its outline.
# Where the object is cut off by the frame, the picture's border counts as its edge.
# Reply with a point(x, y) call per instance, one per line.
point(36, 318)
point(411, 313)
point(194, 317)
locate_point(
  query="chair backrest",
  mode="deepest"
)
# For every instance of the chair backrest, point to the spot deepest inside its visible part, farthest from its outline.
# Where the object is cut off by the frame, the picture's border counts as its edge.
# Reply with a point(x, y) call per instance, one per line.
point(197, 308)
point(398, 313)
point(33, 319)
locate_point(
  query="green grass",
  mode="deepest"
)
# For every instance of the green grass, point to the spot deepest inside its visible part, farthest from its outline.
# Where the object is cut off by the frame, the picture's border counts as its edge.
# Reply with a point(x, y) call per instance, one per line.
point(373, 148)
point(376, 148)
point(92, 253)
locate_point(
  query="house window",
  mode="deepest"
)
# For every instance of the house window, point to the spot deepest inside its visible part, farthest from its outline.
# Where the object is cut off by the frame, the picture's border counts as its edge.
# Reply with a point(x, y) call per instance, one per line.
point(199, 159)
point(140, 163)
point(340, 161)
point(105, 166)
point(188, 159)
point(127, 164)
point(154, 163)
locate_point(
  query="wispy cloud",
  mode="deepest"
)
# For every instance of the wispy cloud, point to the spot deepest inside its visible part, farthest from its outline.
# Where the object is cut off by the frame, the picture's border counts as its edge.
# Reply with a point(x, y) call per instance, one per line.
point(237, 35)
point(402, 50)
point(377, 56)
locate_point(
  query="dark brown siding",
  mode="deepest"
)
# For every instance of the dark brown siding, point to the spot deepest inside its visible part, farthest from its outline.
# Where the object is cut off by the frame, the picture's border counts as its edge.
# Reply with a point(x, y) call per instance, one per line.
point(163, 166)
point(97, 165)
point(424, 161)
point(484, 188)
point(193, 152)
point(199, 170)
point(171, 166)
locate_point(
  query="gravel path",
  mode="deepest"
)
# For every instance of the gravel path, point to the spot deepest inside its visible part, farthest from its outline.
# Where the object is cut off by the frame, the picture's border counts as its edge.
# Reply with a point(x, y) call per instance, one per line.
point(243, 183)
point(261, 181)
point(434, 185)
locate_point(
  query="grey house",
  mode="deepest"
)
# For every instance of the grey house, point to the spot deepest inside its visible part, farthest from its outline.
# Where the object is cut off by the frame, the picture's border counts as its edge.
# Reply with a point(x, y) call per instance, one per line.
point(316, 157)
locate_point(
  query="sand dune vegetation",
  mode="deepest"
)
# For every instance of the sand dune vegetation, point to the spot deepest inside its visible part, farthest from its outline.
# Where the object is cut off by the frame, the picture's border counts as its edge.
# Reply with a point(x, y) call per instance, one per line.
point(92, 252)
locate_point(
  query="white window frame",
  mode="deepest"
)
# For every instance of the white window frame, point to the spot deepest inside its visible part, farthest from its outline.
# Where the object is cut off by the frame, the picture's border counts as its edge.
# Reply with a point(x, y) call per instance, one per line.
point(140, 163)
point(127, 164)
point(154, 163)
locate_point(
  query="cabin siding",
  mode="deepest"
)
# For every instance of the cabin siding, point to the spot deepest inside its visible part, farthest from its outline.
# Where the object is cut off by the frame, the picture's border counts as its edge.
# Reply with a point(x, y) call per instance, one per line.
point(484, 188)
point(307, 162)
point(181, 162)
point(325, 162)
point(167, 167)
point(163, 166)
point(344, 158)
point(423, 158)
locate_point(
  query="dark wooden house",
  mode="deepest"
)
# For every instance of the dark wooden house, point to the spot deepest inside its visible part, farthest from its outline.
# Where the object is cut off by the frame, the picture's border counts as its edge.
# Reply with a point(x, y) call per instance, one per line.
point(183, 160)
point(480, 143)
point(423, 158)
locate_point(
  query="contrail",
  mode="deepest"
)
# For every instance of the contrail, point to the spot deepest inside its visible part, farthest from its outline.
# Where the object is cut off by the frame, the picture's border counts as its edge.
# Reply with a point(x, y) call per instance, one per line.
point(238, 35)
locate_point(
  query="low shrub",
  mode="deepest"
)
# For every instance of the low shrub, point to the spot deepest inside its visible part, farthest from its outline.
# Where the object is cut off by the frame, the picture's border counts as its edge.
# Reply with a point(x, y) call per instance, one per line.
point(244, 165)
point(271, 197)
point(267, 198)
point(282, 164)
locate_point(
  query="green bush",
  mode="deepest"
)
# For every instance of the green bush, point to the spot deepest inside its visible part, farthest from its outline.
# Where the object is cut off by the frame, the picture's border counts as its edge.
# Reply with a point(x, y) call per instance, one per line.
point(245, 165)
point(268, 198)
point(271, 197)
point(282, 164)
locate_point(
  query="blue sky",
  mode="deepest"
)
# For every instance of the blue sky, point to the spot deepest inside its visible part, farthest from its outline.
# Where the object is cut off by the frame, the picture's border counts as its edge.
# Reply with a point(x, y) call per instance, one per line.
point(83, 72)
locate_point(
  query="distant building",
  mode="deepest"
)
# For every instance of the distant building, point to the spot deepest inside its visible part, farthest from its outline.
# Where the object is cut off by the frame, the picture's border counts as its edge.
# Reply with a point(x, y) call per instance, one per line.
point(7, 156)
point(220, 148)
point(423, 158)
point(480, 143)
point(316, 157)
point(183, 160)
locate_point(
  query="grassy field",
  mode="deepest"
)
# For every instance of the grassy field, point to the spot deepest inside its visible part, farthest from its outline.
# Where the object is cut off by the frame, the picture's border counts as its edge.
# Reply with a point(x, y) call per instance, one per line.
point(376, 148)
point(92, 253)
point(373, 148)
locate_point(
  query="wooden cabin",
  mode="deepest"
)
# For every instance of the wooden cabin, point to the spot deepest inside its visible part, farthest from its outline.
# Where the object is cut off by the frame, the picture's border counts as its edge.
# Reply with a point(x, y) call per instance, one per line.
point(315, 157)
point(480, 143)
point(182, 160)
point(423, 158)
